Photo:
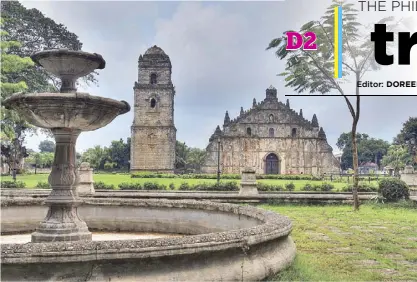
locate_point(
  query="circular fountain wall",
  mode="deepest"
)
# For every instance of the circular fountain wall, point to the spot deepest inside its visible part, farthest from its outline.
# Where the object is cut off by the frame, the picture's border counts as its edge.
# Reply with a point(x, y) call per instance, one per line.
point(222, 242)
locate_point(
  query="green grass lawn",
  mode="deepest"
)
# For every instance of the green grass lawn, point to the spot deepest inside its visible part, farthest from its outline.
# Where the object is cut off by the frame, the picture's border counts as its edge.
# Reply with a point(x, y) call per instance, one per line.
point(336, 244)
point(115, 179)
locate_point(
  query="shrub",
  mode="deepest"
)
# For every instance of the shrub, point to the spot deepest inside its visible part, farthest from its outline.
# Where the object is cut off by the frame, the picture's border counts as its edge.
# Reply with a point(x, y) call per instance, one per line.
point(290, 186)
point(43, 185)
point(13, 184)
point(307, 187)
point(363, 187)
point(172, 186)
point(153, 186)
point(101, 185)
point(393, 189)
point(326, 187)
point(269, 187)
point(130, 186)
point(185, 186)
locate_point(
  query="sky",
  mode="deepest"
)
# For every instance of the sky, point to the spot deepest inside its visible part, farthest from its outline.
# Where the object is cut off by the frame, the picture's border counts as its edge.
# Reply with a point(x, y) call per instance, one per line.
point(219, 63)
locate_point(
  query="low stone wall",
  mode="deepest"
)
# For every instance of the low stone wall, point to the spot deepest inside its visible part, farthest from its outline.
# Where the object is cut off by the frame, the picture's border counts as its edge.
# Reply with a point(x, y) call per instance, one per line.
point(244, 243)
point(224, 197)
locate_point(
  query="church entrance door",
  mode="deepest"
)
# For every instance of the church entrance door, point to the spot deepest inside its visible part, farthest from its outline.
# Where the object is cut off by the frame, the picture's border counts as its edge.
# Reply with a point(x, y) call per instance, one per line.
point(272, 164)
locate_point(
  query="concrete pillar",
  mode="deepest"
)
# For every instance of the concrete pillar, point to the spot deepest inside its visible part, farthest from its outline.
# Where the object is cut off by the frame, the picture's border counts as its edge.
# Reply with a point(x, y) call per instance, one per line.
point(86, 184)
point(248, 183)
point(409, 176)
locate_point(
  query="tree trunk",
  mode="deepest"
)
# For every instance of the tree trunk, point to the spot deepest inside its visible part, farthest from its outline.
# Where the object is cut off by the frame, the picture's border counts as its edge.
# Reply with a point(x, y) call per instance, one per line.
point(35, 168)
point(355, 167)
point(355, 148)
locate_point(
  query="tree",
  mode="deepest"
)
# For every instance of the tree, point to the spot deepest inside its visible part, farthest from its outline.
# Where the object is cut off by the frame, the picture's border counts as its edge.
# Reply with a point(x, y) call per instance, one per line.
point(181, 153)
point(408, 137)
point(47, 146)
point(369, 149)
point(196, 158)
point(34, 32)
point(35, 159)
point(119, 154)
point(313, 70)
point(96, 156)
point(397, 157)
point(13, 127)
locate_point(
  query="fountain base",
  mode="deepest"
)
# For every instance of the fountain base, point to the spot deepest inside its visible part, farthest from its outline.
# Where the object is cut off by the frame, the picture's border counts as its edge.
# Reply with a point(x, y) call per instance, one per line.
point(62, 223)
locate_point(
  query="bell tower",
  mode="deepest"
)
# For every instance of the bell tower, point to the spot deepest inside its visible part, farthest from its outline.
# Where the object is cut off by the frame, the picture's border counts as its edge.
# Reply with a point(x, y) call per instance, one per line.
point(153, 130)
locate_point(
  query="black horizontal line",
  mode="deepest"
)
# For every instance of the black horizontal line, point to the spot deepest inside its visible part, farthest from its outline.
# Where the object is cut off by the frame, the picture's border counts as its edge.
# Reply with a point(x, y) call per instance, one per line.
point(379, 95)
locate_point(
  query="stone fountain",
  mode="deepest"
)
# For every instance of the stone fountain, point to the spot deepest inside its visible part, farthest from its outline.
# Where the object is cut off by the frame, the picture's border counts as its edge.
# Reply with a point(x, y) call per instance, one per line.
point(217, 242)
point(66, 114)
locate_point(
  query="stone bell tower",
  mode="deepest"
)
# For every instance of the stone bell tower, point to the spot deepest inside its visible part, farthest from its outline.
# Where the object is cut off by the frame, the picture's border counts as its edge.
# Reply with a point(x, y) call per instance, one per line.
point(153, 130)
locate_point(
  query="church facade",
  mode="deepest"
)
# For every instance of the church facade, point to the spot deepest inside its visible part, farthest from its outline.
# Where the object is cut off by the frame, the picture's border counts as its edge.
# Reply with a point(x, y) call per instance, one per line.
point(153, 133)
point(272, 139)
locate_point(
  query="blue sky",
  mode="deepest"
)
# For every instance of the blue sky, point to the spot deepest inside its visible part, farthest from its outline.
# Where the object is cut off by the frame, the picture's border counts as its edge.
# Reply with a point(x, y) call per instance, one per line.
point(219, 63)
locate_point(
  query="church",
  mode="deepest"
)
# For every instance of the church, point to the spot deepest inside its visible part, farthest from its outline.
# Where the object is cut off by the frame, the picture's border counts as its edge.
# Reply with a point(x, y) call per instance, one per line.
point(270, 137)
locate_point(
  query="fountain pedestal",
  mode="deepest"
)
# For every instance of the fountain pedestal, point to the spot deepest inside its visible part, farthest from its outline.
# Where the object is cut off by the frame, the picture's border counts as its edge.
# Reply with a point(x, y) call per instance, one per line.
point(62, 222)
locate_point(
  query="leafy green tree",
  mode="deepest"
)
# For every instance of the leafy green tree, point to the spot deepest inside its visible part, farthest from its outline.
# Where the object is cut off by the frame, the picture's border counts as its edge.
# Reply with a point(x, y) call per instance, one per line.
point(47, 146)
point(408, 137)
point(196, 157)
point(397, 158)
point(96, 156)
point(13, 127)
point(369, 149)
point(35, 159)
point(181, 154)
point(34, 32)
point(313, 70)
point(119, 154)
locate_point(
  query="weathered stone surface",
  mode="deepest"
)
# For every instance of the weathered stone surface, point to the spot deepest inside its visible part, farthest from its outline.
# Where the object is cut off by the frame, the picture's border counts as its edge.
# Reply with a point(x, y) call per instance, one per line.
point(268, 128)
point(248, 183)
point(153, 133)
point(258, 246)
point(86, 182)
point(409, 176)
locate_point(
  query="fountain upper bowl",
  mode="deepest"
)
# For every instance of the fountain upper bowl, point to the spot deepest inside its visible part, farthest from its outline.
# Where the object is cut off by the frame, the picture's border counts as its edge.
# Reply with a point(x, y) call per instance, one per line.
point(68, 63)
point(66, 110)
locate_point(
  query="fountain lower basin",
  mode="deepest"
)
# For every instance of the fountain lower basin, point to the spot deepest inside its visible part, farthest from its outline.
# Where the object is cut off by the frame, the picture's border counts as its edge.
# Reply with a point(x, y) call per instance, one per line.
point(223, 242)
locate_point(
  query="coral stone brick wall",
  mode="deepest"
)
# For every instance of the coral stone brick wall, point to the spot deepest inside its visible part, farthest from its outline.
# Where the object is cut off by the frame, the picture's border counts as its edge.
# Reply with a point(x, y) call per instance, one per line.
point(153, 130)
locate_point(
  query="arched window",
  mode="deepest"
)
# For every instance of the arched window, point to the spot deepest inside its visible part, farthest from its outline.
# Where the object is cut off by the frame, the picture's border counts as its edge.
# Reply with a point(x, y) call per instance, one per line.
point(153, 103)
point(294, 132)
point(153, 78)
point(271, 117)
point(248, 131)
point(271, 132)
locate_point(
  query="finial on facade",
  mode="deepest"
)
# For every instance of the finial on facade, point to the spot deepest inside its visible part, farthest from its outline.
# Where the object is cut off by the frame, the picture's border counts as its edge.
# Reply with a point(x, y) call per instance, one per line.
point(301, 112)
point(322, 134)
point(314, 121)
point(271, 92)
point(218, 131)
point(226, 118)
point(288, 103)
point(241, 111)
point(254, 102)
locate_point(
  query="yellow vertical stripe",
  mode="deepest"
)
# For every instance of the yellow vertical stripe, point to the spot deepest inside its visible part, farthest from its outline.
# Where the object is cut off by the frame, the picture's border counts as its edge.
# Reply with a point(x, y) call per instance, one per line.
point(336, 42)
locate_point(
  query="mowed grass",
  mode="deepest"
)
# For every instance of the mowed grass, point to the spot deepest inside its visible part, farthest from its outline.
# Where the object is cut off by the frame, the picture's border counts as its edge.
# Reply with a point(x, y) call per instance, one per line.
point(115, 179)
point(377, 243)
